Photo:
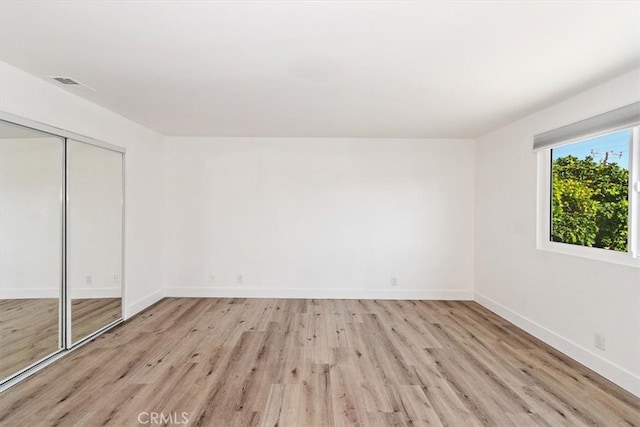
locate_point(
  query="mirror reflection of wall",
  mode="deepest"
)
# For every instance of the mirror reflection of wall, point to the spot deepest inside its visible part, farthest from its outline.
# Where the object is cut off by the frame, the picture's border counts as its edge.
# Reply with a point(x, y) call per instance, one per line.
point(31, 168)
point(94, 237)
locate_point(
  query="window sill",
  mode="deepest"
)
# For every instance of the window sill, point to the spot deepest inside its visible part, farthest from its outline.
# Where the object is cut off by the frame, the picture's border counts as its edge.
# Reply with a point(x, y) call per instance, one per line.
point(604, 255)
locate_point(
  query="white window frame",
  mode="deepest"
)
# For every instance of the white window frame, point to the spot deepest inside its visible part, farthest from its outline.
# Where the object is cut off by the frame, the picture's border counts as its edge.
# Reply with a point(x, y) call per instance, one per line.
point(544, 206)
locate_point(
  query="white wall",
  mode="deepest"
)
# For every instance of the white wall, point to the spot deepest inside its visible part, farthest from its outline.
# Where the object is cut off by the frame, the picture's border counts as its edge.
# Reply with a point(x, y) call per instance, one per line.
point(33, 98)
point(303, 217)
point(562, 299)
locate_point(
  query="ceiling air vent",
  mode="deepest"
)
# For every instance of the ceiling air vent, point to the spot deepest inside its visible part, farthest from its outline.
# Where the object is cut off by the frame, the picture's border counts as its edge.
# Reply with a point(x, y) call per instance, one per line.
point(71, 83)
point(66, 80)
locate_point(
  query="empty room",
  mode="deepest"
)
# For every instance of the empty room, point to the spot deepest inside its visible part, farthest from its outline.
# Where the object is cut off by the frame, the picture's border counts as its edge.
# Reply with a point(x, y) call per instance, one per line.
point(319, 213)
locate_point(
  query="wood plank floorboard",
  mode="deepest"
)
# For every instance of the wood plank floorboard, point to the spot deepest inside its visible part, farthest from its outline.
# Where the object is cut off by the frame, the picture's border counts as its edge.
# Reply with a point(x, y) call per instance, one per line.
point(287, 362)
point(29, 328)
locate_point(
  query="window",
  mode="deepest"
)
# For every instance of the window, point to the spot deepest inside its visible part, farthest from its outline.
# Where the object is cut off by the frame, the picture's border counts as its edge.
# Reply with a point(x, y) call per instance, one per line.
point(589, 188)
point(590, 192)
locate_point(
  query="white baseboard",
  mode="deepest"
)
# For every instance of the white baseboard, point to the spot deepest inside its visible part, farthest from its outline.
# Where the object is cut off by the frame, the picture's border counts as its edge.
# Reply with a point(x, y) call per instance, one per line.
point(77, 293)
point(618, 375)
point(84, 293)
point(29, 293)
point(131, 310)
point(244, 292)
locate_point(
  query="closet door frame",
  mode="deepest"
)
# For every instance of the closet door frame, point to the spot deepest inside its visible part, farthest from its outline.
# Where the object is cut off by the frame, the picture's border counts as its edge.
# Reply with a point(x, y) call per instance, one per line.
point(64, 319)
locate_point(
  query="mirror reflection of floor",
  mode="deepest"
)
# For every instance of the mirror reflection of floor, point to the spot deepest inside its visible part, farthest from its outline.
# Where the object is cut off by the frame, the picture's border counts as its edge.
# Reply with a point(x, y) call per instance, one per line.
point(29, 327)
point(90, 314)
point(28, 332)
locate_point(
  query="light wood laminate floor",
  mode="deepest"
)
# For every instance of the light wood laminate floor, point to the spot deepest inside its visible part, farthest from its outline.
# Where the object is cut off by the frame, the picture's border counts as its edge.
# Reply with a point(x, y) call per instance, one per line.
point(242, 362)
point(29, 327)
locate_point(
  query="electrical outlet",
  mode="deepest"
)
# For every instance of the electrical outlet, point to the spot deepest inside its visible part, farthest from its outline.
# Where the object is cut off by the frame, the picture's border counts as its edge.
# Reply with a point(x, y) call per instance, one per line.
point(239, 279)
point(599, 342)
point(394, 281)
point(115, 278)
point(88, 280)
point(212, 278)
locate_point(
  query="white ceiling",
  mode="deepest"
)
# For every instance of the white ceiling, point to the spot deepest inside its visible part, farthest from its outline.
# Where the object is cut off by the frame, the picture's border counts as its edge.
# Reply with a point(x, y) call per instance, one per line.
point(323, 68)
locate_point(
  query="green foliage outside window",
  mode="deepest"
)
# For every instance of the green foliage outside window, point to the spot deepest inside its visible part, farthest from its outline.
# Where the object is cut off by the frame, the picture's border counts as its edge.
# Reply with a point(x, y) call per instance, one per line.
point(590, 203)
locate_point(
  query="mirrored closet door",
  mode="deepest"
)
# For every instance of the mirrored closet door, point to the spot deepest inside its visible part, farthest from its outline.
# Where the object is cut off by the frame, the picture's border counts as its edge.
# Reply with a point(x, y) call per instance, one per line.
point(94, 238)
point(31, 215)
point(61, 233)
